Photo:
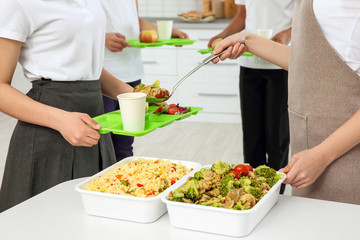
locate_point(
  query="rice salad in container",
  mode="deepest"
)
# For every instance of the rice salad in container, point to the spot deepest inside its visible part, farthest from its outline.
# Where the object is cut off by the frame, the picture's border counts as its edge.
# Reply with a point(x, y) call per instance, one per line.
point(140, 178)
point(132, 188)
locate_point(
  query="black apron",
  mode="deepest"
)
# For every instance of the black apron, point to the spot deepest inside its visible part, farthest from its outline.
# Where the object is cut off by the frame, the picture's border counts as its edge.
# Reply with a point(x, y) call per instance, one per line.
point(40, 158)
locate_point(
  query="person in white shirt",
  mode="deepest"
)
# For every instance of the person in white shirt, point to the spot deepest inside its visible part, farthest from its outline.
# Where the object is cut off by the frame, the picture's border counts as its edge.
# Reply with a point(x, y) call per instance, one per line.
point(263, 85)
point(324, 99)
point(121, 60)
point(60, 45)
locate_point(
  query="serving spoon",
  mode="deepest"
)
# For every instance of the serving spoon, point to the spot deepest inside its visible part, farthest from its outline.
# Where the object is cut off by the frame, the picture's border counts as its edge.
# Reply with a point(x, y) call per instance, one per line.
point(203, 63)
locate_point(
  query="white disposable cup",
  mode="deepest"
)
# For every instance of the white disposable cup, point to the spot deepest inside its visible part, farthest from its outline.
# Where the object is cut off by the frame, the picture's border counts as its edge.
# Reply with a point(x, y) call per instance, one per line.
point(266, 33)
point(164, 29)
point(132, 109)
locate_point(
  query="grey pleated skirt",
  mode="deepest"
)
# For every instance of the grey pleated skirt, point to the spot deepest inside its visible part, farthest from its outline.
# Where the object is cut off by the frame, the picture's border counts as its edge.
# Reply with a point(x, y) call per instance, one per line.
point(40, 158)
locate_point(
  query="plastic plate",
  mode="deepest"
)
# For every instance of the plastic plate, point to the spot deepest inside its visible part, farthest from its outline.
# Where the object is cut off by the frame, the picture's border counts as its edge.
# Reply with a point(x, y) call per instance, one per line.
point(156, 100)
point(135, 43)
point(209, 50)
point(177, 41)
point(111, 122)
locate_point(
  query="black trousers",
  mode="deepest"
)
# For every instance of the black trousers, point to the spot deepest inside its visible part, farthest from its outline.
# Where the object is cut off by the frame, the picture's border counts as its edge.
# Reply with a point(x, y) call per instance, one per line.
point(265, 120)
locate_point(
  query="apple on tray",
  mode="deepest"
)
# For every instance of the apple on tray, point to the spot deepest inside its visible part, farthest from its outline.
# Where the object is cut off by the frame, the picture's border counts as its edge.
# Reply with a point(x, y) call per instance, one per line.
point(148, 36)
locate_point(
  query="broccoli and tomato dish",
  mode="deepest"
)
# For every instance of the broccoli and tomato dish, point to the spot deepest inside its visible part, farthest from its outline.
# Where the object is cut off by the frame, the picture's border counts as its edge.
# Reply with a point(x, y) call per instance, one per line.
point(237, 187)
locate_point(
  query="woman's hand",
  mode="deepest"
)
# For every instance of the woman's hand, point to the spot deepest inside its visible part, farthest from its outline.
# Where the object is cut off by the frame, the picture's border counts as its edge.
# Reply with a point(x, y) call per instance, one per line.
point(79, 129)
point(220, 35)
point(304, 168)
point(235, 45)
point(115, 42)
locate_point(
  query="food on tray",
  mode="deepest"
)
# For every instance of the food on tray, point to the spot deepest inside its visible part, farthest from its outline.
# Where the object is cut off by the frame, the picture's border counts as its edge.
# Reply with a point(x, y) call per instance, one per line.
point(195, 15)
point(148, 36)
point(153, 91)
point(237, 187)
point(172, 109)
point(216, 41)
point(140, 178)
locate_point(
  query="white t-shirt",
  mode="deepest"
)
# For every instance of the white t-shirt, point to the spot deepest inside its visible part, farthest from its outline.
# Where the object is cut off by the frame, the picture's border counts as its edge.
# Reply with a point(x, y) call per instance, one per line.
point(265, 14)
point(62, 40)
point(122, 17)
point(340, 23)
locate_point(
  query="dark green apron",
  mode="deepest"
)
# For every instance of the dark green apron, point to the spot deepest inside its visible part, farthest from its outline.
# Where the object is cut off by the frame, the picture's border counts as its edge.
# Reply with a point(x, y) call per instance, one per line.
point(40, 158)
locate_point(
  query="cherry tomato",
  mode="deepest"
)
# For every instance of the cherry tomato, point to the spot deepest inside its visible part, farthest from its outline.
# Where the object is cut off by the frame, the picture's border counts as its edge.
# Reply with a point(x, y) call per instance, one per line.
point(138, 90)
point(250, 168)
point(173, 182)
point(167, 93)
point(241, 169)
point(237, 174)
point(160, 95)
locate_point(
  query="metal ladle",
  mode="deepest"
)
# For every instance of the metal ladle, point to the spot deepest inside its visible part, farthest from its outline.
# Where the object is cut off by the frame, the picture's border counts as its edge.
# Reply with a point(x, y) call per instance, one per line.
point(204, 62)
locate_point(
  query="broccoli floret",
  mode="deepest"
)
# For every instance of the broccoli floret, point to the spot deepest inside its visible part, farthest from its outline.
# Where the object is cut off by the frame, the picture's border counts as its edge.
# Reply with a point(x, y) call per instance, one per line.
point(237, 184)
point(212, 204)
point(190, 189)
point(140, 86)
point(239, 206)
point(199, 174)
point(220, 167)
point(265, 171)
point(178, 194)
point(227, 184)
point(255, 191)
point(245, 181)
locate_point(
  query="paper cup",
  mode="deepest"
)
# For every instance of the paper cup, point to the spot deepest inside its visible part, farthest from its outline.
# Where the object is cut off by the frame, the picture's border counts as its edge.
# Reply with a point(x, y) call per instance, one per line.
point(164, 29)
point(132, 109)
point(266, 33)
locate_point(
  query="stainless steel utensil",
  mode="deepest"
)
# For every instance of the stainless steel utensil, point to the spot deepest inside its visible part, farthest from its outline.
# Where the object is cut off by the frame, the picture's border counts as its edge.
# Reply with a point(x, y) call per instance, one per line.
point(204, 62)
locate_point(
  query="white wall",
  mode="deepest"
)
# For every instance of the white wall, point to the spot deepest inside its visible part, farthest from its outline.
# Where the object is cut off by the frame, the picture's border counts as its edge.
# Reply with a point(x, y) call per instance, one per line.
point(167, 8)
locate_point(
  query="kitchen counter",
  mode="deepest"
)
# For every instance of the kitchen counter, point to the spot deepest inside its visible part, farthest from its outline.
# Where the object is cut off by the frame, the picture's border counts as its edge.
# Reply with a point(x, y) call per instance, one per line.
point(220, 23)
point(58, 214)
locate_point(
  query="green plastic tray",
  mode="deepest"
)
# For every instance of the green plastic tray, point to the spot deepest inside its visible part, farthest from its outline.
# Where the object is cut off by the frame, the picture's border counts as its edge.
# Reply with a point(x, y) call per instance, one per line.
point(111, 122)
point(209, 50)
point(177, 41)
point(135, 43)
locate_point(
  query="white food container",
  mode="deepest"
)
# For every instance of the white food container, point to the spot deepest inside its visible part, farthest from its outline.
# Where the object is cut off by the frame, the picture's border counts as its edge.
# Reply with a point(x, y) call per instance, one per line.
point(127, 207)
point(222, 221)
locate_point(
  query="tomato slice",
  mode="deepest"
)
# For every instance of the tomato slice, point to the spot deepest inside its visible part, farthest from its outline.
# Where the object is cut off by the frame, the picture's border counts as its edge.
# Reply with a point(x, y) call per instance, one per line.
point(173, 110)
point(138, 90)
point(241, 169)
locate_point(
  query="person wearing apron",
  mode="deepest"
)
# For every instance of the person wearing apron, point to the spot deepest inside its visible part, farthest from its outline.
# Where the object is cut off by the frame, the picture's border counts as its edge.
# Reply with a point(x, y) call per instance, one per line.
point(324, 96)
point(60, 45)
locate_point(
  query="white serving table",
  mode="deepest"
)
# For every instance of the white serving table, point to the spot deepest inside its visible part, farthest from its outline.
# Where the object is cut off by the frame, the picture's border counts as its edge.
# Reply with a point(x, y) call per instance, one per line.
point(58, 214)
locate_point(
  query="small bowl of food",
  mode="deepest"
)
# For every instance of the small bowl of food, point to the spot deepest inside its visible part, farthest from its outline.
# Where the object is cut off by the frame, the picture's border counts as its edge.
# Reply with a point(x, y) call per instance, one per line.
point(154, 93)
